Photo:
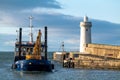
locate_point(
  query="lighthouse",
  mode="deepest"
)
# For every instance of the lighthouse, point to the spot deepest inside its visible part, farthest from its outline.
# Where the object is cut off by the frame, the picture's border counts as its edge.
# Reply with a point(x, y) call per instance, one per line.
point(85, 34)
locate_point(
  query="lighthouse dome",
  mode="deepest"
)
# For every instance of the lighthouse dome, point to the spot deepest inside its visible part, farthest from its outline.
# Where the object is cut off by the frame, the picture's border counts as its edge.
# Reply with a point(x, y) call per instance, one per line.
point(85, 18)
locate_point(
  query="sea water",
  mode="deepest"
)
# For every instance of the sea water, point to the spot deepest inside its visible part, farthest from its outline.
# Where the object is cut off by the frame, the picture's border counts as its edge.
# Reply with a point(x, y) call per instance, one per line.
point(6, 73)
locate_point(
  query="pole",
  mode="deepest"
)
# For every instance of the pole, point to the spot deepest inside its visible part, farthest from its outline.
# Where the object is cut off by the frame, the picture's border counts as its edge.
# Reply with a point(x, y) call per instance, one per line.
point(45, 42)
point(63, 46)
point(20, 42)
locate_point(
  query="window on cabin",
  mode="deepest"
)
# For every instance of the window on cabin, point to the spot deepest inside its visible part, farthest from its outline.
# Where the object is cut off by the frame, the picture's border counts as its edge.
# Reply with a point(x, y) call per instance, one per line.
point(31, 49)
point(17, 49)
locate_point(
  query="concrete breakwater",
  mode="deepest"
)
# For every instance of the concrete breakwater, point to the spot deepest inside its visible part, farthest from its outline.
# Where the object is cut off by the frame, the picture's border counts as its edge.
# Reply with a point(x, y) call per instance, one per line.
point(88, 61)
point(96, 62)
point(101, 64)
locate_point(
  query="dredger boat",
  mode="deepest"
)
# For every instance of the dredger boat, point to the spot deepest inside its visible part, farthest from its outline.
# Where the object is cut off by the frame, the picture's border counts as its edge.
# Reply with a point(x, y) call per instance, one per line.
point(28, 54)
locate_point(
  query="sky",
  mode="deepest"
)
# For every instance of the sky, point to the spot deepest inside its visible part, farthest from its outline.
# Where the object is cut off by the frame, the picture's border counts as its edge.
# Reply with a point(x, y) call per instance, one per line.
point(63, 18)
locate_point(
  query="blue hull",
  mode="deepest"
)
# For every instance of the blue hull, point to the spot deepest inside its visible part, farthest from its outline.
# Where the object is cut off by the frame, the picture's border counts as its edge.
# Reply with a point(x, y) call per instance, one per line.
point(33, 65)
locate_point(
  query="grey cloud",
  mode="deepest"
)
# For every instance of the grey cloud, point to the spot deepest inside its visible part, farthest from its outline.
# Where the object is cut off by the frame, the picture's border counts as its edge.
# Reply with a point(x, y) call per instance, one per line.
point(69, 25)
point(23, 4)
point(106, 32)
point(102, 31)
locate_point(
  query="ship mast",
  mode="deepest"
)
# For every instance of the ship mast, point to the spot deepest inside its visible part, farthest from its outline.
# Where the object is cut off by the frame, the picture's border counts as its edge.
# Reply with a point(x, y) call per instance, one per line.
point(31, 34)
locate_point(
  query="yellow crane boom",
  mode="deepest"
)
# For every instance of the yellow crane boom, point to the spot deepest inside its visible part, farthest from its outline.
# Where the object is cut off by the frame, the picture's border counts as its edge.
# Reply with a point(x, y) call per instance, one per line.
point(37, 49)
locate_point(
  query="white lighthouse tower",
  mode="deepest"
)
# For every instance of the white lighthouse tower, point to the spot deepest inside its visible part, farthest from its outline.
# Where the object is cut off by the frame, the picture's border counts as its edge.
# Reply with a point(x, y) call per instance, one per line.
point(85, 37)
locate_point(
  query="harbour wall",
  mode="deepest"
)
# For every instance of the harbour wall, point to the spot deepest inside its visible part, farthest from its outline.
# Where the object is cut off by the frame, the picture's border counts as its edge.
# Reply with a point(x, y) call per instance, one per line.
point(103, 50)
point(96, 56)
point(96, 62)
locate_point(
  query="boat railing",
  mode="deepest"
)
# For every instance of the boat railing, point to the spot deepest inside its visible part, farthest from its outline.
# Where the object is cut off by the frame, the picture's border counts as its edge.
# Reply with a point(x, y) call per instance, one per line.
point(25, 43)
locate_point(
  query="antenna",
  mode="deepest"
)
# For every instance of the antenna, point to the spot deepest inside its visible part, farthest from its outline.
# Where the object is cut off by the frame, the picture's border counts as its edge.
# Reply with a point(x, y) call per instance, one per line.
point(63, 46)
point(31, 34)
point(17, 35)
